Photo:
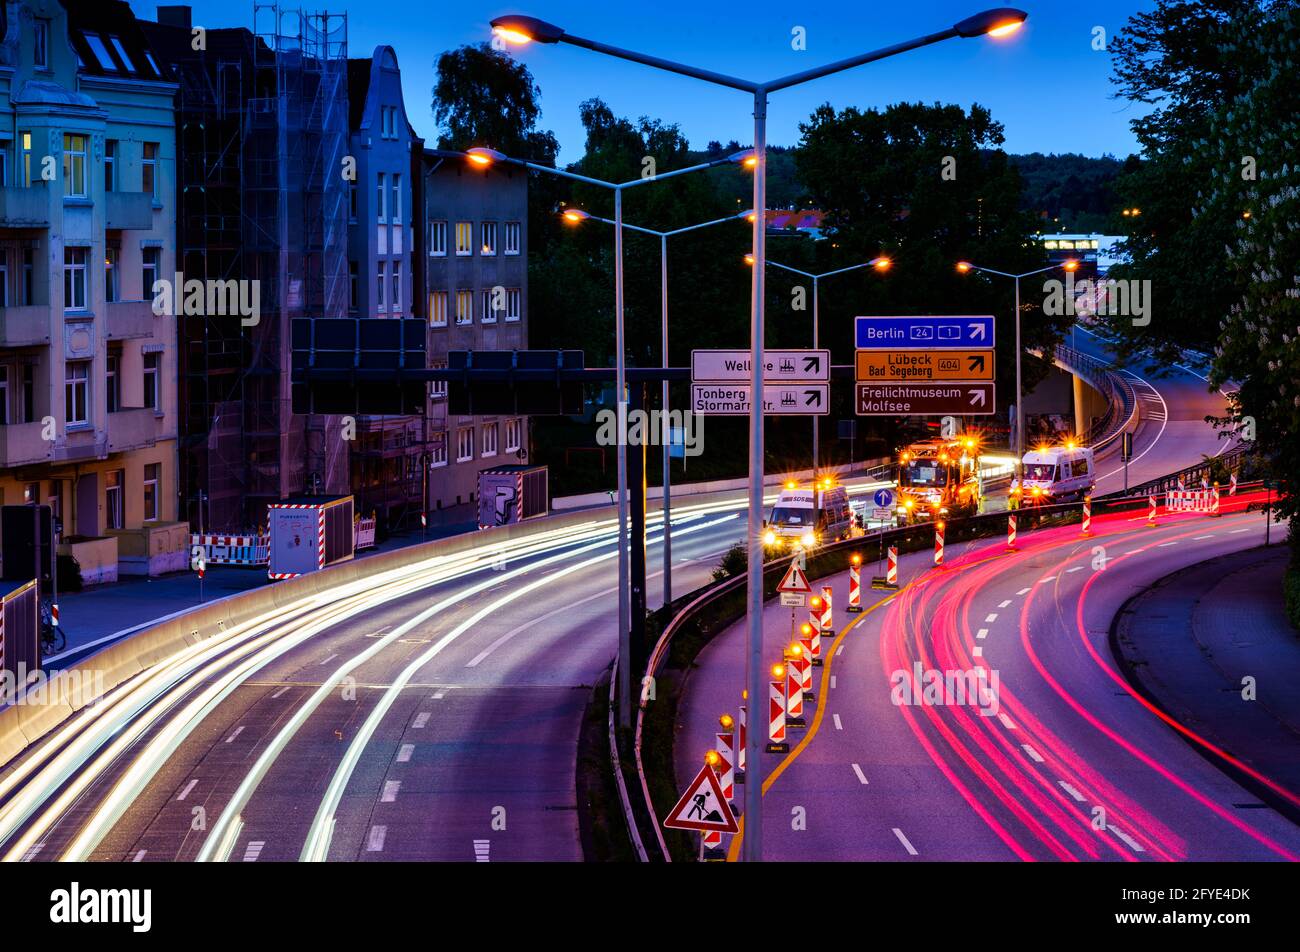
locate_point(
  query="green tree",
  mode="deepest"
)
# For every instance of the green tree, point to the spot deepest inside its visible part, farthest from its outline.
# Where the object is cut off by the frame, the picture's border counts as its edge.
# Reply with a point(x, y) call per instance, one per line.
point(484, 97)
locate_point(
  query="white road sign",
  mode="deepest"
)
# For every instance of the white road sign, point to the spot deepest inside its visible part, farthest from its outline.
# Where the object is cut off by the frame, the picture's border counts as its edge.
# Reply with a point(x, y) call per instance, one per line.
point(723, 399)
point(779, 366)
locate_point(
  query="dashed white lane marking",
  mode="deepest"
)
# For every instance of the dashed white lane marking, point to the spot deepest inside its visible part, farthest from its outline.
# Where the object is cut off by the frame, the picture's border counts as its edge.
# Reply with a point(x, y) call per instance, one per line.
point(1238, 531)
point(832, 680)
point(390, 791)
point(982, 633)
point(1023, 591)
point(404, 753)
point(281, 691)
point(139, 856)
point(420, 720)
point(838, 651)
point(1034, 755)
point(253, 850)
point(1004, 604)
point(1131, 843)
point(991, 617)
point(1077, 568)
point(1134, 551)
point(481, 851)
point(330, 658)
point(376, 842)
point(862, 778)
point(1199, 538)
point(185, 791)
point(1165, 545)
point(438, 695)
point(977, 651)
point(888, 600)
point(1072, 791)
point(1006, 721)
point(836, 719)
point(235, 733)
point(1050, 578)
point(907, 845)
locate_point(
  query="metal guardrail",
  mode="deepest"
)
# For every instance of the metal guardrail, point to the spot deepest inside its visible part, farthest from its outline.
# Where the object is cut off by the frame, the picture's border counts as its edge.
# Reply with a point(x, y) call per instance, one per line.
point(1235, 460)
point(1121, 402)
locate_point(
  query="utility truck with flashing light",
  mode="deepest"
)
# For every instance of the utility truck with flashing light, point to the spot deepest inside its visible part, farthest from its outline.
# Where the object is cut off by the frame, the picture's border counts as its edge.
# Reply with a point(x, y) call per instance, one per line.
point(1053, 474)
point(938, 479)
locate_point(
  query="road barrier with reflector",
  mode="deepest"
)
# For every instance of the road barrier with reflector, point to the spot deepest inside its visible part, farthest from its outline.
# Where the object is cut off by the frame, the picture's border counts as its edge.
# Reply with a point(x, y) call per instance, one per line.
point(1011, 530)
point(1086, 524)
point(827, 620)
point(776, 742)
point(855, 584)
point(938, 544)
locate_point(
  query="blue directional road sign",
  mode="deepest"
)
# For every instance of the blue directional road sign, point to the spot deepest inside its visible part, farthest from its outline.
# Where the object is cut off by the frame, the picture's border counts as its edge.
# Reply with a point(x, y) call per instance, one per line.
point(925, 333)
point(884, 498)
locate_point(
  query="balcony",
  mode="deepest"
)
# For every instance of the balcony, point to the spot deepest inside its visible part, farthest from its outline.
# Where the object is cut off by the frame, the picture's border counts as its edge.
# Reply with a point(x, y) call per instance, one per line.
point(125, 320)
point(134, 429)
point(128, 210)
point(25, 207)
point(21, 445)
point(24, 326)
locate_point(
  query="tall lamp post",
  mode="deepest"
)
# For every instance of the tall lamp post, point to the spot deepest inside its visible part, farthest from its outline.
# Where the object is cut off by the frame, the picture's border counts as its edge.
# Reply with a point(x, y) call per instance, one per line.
point(576, 216)
point(965, 267)
point(523, 29)
point(484, 158)
point(880, 264)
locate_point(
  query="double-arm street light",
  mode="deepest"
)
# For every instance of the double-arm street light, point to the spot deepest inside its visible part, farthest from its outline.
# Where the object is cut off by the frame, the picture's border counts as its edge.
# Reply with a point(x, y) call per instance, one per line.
point(880, 264)
point(484, 158)
point(522, 29)
point(965, 267)
point(576, 216)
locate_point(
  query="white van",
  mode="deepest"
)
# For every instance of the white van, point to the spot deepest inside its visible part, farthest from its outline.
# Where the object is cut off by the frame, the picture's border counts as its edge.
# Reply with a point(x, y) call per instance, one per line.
point(1055, 474)
point(806, 518)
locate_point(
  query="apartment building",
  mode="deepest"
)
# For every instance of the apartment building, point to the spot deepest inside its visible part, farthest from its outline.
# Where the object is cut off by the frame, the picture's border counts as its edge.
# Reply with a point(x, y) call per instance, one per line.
point(88, 414)
point(390, 455)
point(473, 264)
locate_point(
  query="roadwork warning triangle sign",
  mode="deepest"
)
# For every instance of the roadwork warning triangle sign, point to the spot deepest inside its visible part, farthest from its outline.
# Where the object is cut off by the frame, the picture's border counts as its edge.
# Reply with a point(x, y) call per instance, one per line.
point(795, 582)
point(702, 807)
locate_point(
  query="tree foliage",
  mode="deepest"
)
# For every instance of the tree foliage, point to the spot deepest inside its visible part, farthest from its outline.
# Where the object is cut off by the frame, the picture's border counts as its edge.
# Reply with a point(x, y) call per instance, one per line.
point(484, 97)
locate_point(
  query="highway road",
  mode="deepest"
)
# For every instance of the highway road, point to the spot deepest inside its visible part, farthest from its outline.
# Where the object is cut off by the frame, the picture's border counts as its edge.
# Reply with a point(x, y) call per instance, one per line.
point(1061, 760)
point(429, 713)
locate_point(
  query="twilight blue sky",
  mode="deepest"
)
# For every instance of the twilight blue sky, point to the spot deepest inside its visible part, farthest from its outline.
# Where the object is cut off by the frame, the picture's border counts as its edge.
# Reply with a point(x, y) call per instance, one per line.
point(1047, 84)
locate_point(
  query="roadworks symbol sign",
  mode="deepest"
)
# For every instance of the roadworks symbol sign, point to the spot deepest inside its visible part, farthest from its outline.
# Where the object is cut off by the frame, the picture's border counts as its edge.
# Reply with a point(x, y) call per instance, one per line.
point(702, 807)
point(795, 582)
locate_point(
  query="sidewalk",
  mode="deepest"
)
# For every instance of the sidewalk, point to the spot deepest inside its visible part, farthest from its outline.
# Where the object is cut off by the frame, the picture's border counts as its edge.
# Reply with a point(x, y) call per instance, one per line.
point(1190, 640)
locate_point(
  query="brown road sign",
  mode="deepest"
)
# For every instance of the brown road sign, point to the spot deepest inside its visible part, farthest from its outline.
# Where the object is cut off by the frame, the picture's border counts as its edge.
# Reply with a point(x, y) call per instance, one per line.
point(926, 399)
point(881, 366)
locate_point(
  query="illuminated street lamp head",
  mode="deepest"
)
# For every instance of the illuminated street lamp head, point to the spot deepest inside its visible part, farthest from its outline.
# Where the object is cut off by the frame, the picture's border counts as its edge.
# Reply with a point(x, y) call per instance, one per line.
point(746, 158)
point(1071, 265)
point(963, 267)
point(749, 260)
point(748, 215)
point(1002, 21)
point(882, 263)
point(520, 29)
point(483, 157)
point(574, 216)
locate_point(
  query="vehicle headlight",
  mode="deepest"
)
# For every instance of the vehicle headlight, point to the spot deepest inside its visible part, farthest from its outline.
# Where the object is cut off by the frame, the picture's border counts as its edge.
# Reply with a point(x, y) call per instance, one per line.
point(808, 539)
point(769, 537)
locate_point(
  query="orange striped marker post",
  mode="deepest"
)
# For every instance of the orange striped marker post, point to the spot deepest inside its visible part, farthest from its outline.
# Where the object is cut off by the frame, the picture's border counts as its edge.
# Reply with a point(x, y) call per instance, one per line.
point(938, 544)
point(1087, 515)
point(776, 742)
point(1011, 531)
point(855, 584)
point(1151, 510)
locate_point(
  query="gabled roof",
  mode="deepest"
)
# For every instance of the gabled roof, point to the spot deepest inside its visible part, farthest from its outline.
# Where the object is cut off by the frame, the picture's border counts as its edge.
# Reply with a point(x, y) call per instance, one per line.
point(109, 42)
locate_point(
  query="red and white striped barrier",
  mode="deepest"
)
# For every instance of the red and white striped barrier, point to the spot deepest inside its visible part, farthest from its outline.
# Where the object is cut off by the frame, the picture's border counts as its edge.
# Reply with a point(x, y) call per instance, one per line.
point(54, 614)
point(1087, 515)
point(776, 742)
point(742, 722)
point(726, 766)
point(1205, 484)
point(827, 620)
point(855, 584)
point(938, 544)
point(794, 689)
point(1151, 510)
point(1011, 531)
point(1232, 485)
point(891, 572)
point(1214, 501)
point(232, 549)
point(815, 624)
point(1190, 500)
point(1181, 485)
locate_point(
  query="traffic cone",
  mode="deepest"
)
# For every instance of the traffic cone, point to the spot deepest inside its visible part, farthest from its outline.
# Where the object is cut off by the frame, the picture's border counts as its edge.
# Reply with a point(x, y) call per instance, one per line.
point(855, 584)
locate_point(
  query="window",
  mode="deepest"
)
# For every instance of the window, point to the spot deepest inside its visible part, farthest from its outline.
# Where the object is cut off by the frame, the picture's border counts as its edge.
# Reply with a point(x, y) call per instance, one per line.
point(514, 304)
point(464, 444)
point(489, 233)
point(29, 273)
point(152, 472)
point(76, 392)
point(149, 170)
point(437, 308)
point(464, 307)
point(4, 395)
point(464, 238)
point(121, 53)
point(29, 393)
point(114, 375)
point(74, 165)
point(113, 509)
point(352, 201)
point(438, 454)
point(490, 439)
point(110, 274)
point(150, 269)
point(438, 238)
point(381, 196)
point(41, 48)
point(381, 285)
point(438, 388)
point(32, 493)
point(512, 237)
point(151, 362)
point(5, 145)
point(397, 286)
point(514, 431)
point(74, 279)
point(488, 313)
point(101, 51)
point(4, 278)
point(352, 285)
point(110, 165)
point(397, 198)
point(25, 159)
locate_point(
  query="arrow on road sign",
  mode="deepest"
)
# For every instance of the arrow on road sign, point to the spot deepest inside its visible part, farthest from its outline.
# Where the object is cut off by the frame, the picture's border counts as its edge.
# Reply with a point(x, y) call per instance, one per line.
point(795, 581)
point(977, 363)
point(812, 364)
point(703, 807)
point(812, 398)
point(977, 398)
point(976, 331)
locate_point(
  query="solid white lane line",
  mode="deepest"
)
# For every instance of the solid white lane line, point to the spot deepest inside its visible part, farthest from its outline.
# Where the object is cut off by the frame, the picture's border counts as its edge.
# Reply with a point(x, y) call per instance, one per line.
point(390, 791)
point(836, 719)
point(185, 791)
point(1132, 844)
point(1006, 721)
point(237, 731)
point(1004, 604)
point(285, 688)
point(253, 850)
point(982, 633)
point(1023, 591)
point(862, 778)
point(376, 842)
point(1034, 755)
point(992, 617)
point(404, 753)
point(906, 843)
point(1072, 791)
point(420, 720)
point(330, 658)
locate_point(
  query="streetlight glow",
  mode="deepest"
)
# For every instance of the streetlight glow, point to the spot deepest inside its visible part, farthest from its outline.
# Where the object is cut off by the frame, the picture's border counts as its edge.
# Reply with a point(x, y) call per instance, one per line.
point(521, 29)
point(482, 157)
point(882, 264)
point(574, 216)
point(963, 267)
point(1002, 21)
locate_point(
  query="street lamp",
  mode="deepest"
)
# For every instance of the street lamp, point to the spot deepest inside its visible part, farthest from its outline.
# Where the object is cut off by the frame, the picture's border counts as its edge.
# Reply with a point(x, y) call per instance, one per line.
point(965, 267)
point(1000, 21)
point(576, 216)
point(482, 157)
point(881, 264)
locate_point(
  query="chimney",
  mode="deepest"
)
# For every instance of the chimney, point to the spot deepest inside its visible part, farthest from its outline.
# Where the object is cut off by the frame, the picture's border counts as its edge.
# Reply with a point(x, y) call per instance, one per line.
point(175, 16)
